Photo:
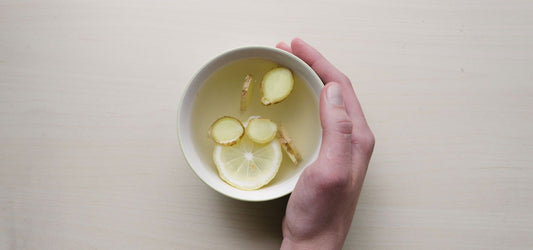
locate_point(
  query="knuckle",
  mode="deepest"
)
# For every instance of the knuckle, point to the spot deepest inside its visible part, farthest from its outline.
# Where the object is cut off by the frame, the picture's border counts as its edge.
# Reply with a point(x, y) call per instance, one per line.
point(370, 140)
point(345, 78)
point(366, 140)
point(333, 181)
point(344, 126)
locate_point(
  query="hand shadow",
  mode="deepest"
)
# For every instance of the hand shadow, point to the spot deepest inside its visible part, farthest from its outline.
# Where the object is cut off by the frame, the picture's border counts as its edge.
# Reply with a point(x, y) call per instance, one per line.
point(258, 221)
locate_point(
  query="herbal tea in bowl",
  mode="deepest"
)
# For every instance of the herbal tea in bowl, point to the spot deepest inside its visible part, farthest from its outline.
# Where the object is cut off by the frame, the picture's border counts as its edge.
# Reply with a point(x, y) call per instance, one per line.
point(248, 122)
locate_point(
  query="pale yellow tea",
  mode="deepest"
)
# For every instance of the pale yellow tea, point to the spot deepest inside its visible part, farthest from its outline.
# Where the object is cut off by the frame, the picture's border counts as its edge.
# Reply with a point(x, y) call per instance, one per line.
point(220, 96)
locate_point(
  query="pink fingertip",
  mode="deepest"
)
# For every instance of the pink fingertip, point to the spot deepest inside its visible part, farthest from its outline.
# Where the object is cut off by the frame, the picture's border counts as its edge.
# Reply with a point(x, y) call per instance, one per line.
point(284, 46)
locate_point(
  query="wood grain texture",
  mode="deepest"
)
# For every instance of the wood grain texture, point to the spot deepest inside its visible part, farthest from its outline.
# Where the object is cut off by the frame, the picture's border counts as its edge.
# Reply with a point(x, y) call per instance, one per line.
point(89, 92)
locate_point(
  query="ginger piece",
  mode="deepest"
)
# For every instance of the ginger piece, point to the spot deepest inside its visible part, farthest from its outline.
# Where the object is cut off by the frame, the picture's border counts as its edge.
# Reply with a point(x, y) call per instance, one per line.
point(288, 145)
point(246, 92)
point(261, 130)
point(276, 86)
point(226, 130)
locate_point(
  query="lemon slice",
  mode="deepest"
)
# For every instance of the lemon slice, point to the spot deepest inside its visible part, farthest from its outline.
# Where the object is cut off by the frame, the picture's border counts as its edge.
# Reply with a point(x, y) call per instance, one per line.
point(248, 165)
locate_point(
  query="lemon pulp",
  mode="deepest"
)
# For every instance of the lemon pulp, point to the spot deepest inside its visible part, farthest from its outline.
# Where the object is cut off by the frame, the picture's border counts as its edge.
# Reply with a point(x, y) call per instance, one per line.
point(248, 165)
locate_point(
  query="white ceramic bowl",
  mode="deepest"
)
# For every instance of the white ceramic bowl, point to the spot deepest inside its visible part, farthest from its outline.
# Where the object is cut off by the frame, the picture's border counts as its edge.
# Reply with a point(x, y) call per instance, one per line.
point(208, 174)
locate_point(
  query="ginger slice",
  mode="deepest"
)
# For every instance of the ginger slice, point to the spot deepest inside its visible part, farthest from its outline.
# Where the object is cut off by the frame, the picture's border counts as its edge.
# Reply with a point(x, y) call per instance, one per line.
point(277, 84)
point(246, 92)
point(288, 146)
point(261, 130)
point(226, 130)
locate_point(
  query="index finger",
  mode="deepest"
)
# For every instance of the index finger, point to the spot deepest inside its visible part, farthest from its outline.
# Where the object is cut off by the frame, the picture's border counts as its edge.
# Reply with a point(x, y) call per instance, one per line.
point(325, 70)
point(329, 73)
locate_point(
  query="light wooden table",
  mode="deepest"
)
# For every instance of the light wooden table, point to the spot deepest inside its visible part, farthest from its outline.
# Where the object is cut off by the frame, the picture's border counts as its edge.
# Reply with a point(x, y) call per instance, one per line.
point(89, 92)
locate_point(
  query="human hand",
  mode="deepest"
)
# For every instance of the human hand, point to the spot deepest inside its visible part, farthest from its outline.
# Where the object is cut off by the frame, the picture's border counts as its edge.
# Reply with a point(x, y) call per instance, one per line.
point(321, 207)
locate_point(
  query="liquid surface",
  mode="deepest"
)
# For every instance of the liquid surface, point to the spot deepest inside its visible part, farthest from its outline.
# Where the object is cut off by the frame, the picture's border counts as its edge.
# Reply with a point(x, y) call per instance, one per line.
point(220, 95)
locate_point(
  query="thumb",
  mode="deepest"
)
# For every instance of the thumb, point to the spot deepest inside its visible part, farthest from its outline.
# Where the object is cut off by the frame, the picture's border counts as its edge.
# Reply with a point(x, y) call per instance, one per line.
point(336, 126)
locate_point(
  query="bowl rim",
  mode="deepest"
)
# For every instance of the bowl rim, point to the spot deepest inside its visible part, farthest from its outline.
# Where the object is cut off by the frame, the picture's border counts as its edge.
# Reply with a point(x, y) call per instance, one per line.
point(313, 75)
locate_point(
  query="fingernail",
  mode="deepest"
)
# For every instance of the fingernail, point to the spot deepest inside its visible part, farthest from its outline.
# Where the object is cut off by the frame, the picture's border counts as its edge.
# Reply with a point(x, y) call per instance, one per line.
point(334, 94)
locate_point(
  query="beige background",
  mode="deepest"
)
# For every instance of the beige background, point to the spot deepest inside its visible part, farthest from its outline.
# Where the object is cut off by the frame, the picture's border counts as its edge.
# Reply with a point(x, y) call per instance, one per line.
point(89, 92)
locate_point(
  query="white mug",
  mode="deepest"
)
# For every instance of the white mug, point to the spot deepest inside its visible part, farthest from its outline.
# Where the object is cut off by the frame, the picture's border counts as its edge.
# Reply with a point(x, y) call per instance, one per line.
point(208, 174)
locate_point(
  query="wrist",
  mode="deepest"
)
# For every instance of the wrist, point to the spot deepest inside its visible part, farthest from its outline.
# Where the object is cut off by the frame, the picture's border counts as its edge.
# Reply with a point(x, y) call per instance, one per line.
point(324, 241)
